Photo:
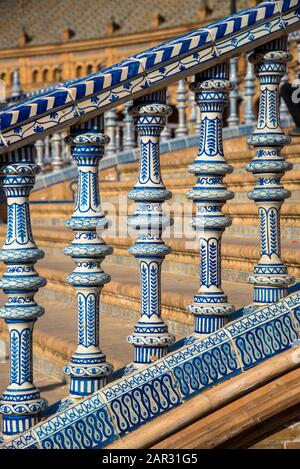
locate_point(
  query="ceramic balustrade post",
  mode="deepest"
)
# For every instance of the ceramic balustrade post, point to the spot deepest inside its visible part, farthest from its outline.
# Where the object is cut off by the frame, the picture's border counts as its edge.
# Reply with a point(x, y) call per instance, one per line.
point(270, 278)
point(181, 130)
point(40, 154)
point(193, 111)
point(210, 306)
point(128, 136)
point(66, 149)
point(56, 150)
point(118, 138)
point(150, 338)
point(233, 118)
point(283, 110)
point(197, 125)
point(16, 85)
point(88, 368)
point(249, 93)
point(110, 128)
point(21, 403)
point(47, 152)
point(166, 133)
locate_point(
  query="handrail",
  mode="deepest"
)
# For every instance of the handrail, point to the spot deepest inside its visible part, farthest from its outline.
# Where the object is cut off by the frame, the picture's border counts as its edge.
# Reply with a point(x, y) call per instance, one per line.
point(146, 72)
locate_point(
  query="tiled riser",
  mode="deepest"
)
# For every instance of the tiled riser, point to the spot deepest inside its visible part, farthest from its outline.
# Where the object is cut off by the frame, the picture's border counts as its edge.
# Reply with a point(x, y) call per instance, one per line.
point(137, 398)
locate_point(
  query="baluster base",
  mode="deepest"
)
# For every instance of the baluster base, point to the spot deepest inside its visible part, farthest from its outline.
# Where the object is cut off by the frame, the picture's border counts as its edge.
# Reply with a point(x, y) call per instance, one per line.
point(80, 387)
point(17, 424)
point(210, 312)
point(87, 375)
point(206, 324)
point(270, 283)
point(20, 410)
point(148, 349)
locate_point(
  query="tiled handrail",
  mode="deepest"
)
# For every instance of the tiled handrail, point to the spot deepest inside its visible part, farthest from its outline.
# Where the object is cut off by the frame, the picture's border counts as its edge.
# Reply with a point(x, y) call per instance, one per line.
point(80, 105)
point(145, 72)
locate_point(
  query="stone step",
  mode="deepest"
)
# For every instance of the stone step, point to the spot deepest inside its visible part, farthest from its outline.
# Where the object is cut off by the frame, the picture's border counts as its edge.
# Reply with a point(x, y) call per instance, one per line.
point(239, 254)
point(244, 217)
point(177, 290)
point(236, 182)
point(111, 191)
point(120, 179)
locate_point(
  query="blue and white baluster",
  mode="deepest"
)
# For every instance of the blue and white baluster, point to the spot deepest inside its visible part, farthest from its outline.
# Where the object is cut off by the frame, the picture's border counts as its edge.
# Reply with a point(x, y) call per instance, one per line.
point(88, 367)
point(111, 131)
point(56, 150)
point(233, 118)
point(249, 93)
point(284, 112)
point(270, 278)
point(16, 89)
point(210, 305)
point(21, 402)
point(128, 135)
point(166, 133)
point(150, 338)
point(181, 130)
point(40, 154)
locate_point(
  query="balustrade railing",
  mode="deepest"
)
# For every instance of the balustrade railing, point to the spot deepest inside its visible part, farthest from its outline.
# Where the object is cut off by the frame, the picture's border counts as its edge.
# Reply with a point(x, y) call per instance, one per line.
point(53, 153)
point(147, 110)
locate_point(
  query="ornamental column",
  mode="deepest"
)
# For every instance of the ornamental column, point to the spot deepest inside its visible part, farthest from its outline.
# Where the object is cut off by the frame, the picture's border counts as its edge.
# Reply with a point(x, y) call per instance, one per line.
point(270, 278)
point(233, 118)
point(128, 133)
point(210, 305)
point(40, 153)
point(150, 338)
point(21, 403)
point(181, 130)
point(88, 367)
point(249, 93)
point(111, 129)
point(56, 150)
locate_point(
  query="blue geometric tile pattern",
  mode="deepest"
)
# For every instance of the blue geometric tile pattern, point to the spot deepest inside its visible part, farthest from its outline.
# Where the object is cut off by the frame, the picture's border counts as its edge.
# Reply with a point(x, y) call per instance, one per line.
point(165, 63)
point(131, 401)
point(141, 397)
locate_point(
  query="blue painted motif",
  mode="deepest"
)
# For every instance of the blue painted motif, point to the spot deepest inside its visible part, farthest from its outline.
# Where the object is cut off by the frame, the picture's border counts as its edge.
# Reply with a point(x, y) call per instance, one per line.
point(210, 305)
point(21, 403)
point(150, 337)
point(88, 367)
point(270, 278)
point(135, 398)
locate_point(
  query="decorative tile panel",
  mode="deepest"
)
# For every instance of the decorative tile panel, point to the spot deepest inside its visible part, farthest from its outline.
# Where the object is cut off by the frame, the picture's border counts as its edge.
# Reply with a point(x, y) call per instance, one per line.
point(204, 364)
point(134, 399)
point(142, 403)
point(81, 426)
point(26, 440)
